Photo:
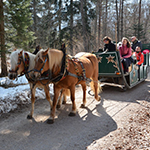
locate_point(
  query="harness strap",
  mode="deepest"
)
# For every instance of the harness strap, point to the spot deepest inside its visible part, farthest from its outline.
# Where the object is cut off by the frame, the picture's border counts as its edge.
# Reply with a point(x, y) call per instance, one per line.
point(79, 75)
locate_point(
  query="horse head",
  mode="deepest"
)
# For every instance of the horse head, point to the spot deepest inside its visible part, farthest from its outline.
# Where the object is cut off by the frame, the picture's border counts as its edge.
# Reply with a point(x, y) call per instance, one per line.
point(47, 60)
point(41, 63)
point(17, 66)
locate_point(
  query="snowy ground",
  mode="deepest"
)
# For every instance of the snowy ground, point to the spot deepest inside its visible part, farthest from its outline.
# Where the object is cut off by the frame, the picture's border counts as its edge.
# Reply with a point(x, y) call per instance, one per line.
point(17, 93)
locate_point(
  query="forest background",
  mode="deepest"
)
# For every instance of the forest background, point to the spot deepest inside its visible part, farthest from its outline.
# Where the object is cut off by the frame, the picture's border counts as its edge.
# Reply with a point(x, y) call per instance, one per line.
point(81, 24)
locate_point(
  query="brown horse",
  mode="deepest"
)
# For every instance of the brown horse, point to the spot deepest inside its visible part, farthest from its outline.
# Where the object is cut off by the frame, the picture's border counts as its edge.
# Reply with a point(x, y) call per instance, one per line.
point(19, 66)
point(77, 72)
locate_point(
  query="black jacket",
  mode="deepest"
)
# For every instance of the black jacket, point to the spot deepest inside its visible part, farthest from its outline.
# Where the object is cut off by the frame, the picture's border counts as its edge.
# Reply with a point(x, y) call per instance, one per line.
point(135, 44)
point(111, 47)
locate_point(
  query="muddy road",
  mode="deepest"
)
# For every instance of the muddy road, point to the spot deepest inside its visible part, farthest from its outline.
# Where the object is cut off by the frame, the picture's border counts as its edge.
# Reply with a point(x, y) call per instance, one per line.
point(91, 125)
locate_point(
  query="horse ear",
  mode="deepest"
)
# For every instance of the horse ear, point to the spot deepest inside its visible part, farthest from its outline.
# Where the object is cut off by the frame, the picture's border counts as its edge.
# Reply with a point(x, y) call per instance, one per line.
point(46, 51)
point(14, 49)
point(20, 54)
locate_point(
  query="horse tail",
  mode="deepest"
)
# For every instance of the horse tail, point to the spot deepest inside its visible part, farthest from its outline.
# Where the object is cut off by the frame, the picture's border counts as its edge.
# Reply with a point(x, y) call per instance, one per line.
point(99, 89)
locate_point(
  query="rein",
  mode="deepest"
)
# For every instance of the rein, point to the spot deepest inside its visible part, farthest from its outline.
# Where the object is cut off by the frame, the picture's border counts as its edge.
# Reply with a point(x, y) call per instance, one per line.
point(35, 70)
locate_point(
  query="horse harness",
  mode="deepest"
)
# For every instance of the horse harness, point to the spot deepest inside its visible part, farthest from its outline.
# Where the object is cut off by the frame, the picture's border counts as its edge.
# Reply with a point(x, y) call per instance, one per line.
point(64, 70)
point(80, 76)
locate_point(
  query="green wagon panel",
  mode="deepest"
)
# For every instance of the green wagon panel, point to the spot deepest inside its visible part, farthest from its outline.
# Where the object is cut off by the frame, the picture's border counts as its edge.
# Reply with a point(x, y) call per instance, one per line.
point(108, 63)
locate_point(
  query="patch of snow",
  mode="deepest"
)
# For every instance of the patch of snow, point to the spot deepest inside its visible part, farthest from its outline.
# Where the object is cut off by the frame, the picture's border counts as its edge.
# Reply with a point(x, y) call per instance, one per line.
point(11, 98)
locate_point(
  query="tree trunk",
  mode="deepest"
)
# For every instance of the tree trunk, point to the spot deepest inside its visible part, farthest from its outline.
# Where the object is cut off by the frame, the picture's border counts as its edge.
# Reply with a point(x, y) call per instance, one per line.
point(35, 20)
point(60, 32)
point(105, 20)
point(71, 27)
point(83, 25)
point(122, 18)
point(99, 21)
point(139, 22)
point(117, 18)
point(2, 42)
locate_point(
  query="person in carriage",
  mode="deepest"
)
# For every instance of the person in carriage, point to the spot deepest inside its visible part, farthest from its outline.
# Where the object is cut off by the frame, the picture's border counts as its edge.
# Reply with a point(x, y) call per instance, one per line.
point(135, 42)
point(125, 54)
point(111, 47)
point(139, 56)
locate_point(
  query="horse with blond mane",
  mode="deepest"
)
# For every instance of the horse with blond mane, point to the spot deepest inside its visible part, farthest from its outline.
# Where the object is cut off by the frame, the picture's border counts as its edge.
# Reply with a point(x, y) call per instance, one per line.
point(22, 62)
point(77, 71)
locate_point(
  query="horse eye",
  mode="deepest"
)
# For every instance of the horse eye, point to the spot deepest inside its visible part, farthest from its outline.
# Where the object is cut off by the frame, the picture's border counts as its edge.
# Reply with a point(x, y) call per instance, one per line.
point(41, 61)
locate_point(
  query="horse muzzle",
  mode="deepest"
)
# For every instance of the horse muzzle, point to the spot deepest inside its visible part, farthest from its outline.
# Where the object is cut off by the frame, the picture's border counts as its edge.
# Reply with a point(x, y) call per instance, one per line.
point(12, 76)
point(35, 76)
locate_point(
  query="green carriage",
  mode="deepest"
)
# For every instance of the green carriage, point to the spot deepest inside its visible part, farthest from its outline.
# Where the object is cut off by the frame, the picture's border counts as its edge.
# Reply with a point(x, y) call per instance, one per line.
point(111, 70)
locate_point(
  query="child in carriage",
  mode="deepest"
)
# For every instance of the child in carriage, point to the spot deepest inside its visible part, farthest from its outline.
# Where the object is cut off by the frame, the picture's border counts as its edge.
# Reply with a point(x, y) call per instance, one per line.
point(139, 56)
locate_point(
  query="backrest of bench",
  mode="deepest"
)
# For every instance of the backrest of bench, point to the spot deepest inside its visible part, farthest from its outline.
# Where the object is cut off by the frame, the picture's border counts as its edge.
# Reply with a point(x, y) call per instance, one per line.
point(109, 63)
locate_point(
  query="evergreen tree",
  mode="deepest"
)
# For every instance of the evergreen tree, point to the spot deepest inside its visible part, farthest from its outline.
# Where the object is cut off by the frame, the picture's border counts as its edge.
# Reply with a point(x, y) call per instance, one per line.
point(18, 22)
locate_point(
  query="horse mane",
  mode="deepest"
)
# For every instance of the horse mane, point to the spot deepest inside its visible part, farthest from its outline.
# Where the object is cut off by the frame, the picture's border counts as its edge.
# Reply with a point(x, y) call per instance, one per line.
point(14, 58)
point(54, 55)
point(55, 58)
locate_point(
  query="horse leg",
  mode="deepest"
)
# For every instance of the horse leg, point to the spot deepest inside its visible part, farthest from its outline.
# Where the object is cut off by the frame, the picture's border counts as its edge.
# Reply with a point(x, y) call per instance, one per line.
point(72, 91)
point(63, 95)
point(46, 89)
point(84, 95)
point(50, 120)
point(60, 99)
point(96, 84)
point(33, 88)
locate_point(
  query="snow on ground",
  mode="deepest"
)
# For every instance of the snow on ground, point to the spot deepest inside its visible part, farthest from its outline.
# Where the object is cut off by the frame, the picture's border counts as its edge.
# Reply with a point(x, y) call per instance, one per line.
point(18, 94)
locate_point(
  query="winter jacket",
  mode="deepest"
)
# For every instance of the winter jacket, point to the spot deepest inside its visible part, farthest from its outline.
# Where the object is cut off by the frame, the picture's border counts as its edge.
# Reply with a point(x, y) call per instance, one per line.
point(135, 44)
point(140, 58)
point(111, 47)
point(125, 52)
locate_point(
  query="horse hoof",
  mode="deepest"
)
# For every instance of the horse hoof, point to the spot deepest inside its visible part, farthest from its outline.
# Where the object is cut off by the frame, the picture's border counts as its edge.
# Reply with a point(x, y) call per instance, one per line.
point(82, 106)
point(71, 114)
point(29, 117)
point(99, 98)
point(50, 121)
point(58, 106)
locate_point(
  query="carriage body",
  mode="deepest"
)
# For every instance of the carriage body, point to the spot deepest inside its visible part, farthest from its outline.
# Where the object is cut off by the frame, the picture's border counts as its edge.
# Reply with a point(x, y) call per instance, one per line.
point(111, 70)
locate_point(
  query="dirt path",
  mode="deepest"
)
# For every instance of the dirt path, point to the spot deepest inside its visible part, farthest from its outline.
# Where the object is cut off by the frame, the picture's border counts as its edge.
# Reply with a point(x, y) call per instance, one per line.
point(100, 126)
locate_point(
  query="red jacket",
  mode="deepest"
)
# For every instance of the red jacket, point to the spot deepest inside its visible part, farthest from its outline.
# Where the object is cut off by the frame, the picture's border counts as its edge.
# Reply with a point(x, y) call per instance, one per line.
point(140, 58)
